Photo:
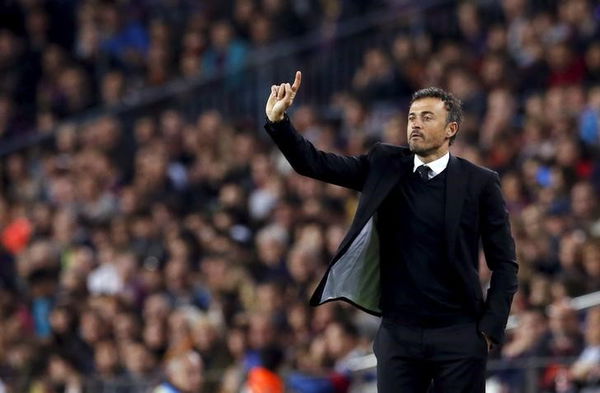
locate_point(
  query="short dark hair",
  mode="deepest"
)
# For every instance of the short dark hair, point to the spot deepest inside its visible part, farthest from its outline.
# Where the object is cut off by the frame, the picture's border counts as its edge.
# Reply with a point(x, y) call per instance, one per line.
point(452, 104)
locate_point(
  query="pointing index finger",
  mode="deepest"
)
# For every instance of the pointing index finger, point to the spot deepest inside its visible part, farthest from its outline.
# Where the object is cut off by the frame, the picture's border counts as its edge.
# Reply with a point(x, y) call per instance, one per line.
point(297, 81)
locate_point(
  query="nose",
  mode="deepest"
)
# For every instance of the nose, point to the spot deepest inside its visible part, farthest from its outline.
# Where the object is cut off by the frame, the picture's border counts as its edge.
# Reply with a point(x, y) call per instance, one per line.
point(415, 123)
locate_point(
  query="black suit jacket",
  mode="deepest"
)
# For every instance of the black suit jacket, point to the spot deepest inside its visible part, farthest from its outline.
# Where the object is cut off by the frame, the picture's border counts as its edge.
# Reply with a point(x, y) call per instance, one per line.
point(475, 210)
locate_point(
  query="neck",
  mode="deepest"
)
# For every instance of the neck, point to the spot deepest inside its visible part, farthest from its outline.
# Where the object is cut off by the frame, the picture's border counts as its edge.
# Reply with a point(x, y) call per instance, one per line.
point(427, 158)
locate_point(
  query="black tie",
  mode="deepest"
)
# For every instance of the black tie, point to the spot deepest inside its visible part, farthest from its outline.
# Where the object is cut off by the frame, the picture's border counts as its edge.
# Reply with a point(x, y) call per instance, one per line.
point(424, 172)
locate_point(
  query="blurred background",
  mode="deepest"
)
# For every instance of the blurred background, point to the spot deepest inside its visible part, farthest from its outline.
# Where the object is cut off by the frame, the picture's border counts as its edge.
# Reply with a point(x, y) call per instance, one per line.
point(153, 239)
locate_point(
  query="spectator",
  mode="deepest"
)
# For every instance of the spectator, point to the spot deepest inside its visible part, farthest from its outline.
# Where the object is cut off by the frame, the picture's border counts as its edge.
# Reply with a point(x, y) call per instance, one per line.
point(184, 375)
point(126, 42)
point(264, 378)
point(586, 369)
point(225, 54)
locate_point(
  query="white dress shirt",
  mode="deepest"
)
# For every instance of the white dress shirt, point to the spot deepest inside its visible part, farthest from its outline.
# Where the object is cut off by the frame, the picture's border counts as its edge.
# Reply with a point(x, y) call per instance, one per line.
point(436, 166)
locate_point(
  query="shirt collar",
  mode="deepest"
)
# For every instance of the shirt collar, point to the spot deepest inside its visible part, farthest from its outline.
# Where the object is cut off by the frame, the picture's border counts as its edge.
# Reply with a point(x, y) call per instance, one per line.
point(437, 166)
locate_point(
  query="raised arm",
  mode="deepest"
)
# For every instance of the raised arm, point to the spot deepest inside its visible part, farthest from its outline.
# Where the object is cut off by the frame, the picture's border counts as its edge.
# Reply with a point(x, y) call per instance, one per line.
point(345, 171)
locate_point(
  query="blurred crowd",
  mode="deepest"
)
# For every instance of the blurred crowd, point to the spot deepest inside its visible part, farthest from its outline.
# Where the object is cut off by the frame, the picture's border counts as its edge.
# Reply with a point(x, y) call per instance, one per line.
point(58, 58)
point(177, 253)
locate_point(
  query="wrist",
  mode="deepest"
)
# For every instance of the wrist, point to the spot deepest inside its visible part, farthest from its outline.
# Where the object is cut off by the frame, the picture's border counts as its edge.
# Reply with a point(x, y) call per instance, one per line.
point(276, 119)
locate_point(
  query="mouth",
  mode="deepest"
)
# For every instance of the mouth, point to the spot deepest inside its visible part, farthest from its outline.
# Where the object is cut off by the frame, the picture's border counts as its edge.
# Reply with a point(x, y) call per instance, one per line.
point(415, 136)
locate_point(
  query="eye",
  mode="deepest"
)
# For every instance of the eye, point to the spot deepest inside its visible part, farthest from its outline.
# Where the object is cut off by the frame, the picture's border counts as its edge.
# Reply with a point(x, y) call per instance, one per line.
point(428, 117)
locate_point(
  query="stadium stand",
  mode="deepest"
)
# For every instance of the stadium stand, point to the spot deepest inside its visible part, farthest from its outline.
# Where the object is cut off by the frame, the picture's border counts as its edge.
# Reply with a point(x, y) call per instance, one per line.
point(146, 219)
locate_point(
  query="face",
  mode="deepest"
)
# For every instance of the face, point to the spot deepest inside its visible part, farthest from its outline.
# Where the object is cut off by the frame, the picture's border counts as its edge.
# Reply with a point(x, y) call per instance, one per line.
point(335, 340)
point(426, 129)
point(188, 376)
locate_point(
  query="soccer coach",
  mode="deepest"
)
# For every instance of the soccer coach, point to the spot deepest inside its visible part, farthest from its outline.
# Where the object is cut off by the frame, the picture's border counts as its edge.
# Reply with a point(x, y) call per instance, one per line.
point(411, 253)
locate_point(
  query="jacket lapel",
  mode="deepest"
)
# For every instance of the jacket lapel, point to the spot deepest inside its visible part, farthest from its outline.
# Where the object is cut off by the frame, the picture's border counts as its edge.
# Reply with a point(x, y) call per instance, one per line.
point(456, 185)
point(389, 176)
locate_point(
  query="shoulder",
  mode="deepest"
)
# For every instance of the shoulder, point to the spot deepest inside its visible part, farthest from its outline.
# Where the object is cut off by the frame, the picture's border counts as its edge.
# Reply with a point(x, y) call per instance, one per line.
point(387, 149)
point(474, 168)
point(477, 172)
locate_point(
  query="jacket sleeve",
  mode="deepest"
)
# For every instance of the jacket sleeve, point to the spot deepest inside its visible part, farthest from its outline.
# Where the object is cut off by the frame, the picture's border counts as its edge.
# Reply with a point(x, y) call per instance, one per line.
point(499, 250)
point(345, 171)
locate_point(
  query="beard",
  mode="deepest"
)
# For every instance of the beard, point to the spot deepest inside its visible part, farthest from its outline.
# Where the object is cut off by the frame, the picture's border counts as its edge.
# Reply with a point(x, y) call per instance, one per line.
point(420, 149)
point(424, 147)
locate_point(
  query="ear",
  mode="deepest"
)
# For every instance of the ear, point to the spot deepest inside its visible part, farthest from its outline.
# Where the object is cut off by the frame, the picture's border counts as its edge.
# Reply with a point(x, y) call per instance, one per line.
point(451, 129)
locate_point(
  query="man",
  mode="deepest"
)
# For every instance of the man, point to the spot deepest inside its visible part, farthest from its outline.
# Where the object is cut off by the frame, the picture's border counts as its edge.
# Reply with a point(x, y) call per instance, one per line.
point(264, 378)
point(185, 374)
point(411, 253)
